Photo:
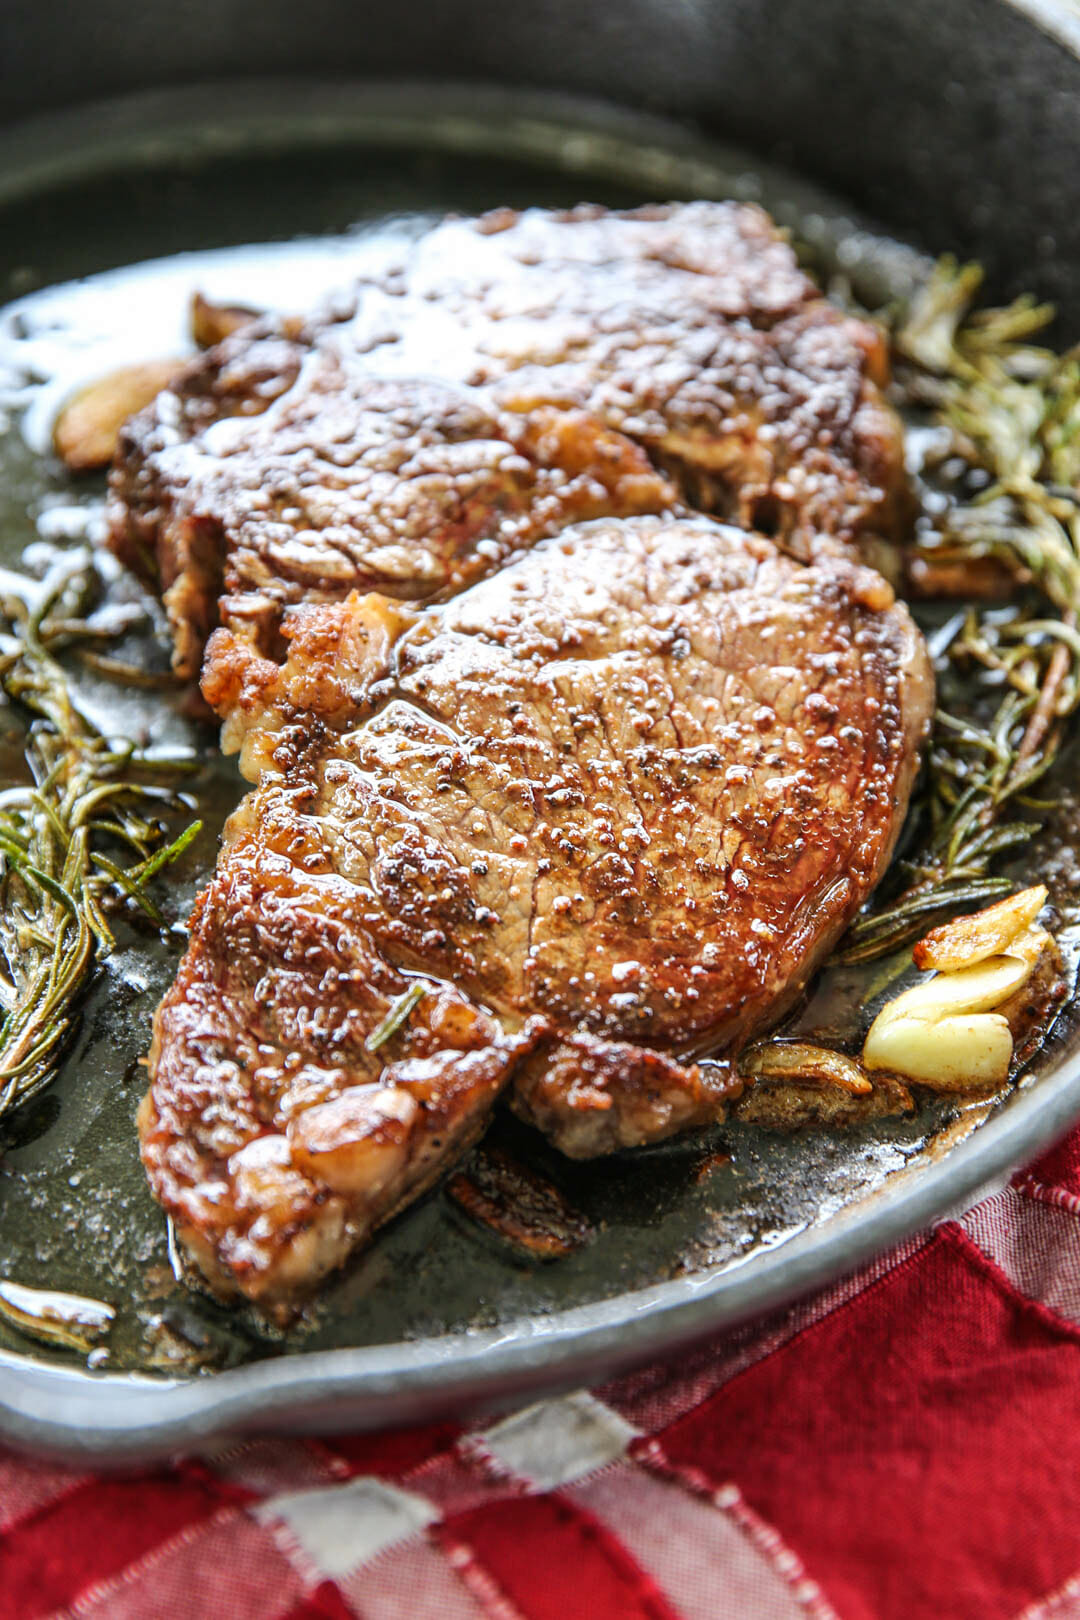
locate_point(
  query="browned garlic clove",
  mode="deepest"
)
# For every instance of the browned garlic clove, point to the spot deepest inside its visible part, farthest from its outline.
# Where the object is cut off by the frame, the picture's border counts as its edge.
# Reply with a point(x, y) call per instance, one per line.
point(946, 1032)
point(980, 934)
point(801, 1060)
point(70, 1320)
point(87, 429)
point(212, 323)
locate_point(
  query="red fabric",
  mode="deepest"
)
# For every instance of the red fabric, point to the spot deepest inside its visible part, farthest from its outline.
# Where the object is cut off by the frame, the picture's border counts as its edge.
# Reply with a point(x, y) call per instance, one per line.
point(1056, 1176)
point(896, 1423)
point(395, 1453)
point(323, 1602)
point(91, 1532)
point(905, 1444)
point(586, 1570)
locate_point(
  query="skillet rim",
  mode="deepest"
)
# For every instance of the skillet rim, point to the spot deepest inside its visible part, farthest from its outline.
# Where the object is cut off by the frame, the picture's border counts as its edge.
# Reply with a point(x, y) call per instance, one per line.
point(76, 1415)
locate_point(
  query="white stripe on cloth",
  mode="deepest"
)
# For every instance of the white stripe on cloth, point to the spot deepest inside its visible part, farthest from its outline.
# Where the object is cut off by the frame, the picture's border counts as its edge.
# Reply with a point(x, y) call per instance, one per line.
point(225, 1565)
point(702, 1561)
point(729, 1500)
point(329, 1532)
point(1064, 1604)
point(1036, 1245)
point(557, 1441)
point(408, 1581)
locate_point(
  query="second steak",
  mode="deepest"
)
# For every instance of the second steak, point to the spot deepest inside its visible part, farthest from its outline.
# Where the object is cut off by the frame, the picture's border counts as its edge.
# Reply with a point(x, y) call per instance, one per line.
point(510, 375)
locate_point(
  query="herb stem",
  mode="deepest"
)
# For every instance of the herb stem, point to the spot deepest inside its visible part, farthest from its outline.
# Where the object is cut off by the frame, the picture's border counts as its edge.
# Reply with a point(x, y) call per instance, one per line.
point(397, 1015)
point(1005, 484)
point(60, 834)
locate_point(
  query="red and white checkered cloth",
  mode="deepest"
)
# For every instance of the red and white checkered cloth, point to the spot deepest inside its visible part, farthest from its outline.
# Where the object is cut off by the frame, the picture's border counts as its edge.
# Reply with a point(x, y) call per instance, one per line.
point(904, 1445)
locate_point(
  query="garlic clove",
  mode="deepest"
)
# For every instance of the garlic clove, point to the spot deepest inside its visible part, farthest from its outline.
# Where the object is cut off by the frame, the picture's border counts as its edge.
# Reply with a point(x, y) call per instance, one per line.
point(971, 939)
point(802, 1061)
point(964, 1052)
point(971, 990)
point(1030, 945)
point(946, 1032)
point(212, 323)
point(87, 430)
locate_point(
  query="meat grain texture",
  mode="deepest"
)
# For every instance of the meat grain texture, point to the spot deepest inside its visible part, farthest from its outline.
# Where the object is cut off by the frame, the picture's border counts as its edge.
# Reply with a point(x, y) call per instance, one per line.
point(610, 805)
point(302, 459)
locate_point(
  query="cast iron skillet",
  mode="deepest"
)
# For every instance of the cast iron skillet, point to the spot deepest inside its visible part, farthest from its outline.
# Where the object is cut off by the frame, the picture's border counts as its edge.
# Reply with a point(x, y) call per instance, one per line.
point(935, 177)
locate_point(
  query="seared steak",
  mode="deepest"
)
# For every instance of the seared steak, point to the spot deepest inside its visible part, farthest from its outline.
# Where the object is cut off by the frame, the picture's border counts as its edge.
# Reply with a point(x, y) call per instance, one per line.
point(412, 488)
point(279, 469)
point(611, 806)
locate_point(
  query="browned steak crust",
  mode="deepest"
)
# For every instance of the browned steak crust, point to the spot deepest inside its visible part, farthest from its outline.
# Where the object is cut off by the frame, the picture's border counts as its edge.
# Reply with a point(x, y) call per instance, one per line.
point(280, 469)
point(413, 488)
point(612, 804)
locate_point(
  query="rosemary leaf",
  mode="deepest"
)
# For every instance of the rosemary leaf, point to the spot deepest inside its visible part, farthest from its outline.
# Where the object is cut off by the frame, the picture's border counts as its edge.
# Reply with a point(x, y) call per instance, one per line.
point(398, 1014)
point(130, 886)
point(1009, 473)
point(87, 799)
point(172, 852)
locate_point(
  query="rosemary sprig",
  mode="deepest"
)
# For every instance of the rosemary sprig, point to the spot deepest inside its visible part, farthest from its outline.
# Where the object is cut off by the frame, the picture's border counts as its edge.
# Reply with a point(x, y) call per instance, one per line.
point(84, 809)
point(1005, 476)
point(398, 1014)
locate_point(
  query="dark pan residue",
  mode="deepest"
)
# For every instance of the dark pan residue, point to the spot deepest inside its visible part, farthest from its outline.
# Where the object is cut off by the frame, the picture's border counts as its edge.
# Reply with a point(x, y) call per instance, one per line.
point(75, 1212)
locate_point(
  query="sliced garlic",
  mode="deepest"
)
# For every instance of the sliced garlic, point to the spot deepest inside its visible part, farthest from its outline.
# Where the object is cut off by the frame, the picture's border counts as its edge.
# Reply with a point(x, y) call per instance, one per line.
point(212, 323)
point(1030, 945)
point(945, 1031)
point(800, 1060)
point(963, 1052)
point(973, 990)
point(980, 934)
point(87, 429)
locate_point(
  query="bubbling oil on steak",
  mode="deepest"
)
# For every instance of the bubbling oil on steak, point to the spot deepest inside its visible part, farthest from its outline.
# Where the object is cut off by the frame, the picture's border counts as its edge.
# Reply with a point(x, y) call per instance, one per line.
point(302, 459)
point(611, 805)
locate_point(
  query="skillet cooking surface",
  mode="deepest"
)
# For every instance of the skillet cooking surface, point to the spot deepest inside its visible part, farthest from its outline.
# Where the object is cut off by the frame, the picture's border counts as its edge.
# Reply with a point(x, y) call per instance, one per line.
point(436, 1314)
